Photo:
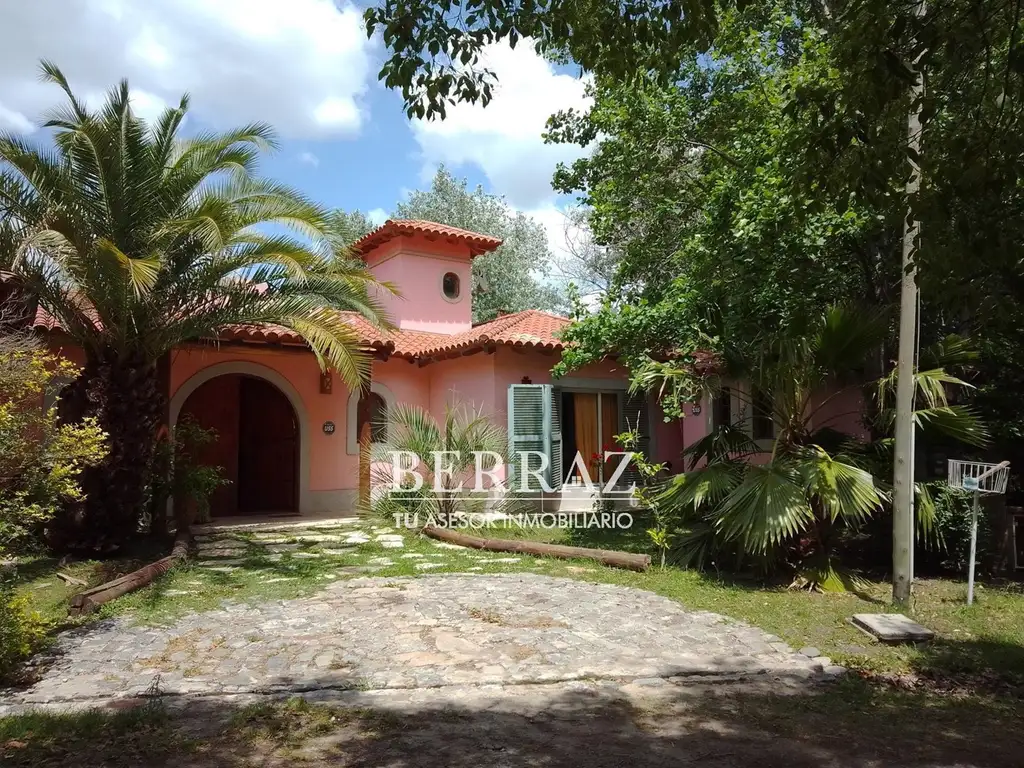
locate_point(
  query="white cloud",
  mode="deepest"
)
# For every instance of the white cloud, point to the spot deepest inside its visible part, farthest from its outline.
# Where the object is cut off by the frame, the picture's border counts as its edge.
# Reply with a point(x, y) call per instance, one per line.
point(562, 232)
point(302, 65)
point(377, 215)
point(504, 138)
point(308, 158)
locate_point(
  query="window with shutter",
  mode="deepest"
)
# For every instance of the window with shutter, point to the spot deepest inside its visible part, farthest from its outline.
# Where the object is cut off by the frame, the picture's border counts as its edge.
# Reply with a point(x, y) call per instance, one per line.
point(534, 424)
point(636, 416)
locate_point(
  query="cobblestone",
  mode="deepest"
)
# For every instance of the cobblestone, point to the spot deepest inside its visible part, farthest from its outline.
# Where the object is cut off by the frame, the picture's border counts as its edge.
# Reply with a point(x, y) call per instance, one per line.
point(412, 633)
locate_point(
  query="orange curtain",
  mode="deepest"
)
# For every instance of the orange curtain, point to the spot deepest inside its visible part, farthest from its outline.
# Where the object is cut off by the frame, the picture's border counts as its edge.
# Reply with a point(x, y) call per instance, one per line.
point(585, 411)
point(609, 429)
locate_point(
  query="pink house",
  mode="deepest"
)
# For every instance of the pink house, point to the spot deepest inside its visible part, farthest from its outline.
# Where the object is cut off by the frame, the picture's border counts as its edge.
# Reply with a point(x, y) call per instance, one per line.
point(289, 437)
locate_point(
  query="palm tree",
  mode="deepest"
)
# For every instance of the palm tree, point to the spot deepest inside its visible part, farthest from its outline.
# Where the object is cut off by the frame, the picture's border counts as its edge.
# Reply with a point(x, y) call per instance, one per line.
point(134, 240)
point(817, 484)
point(461, 436)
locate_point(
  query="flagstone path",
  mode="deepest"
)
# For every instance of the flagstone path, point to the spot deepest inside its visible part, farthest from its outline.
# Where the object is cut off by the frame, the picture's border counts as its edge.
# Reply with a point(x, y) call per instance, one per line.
point(433, 631)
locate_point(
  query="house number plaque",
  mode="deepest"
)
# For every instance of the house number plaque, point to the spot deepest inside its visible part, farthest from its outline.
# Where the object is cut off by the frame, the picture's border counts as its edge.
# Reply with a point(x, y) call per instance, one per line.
point(328, 427)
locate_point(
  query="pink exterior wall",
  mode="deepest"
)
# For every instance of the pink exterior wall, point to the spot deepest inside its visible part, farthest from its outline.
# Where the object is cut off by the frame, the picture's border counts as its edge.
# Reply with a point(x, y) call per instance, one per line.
point(328, 467)
point(464, 380)
point(416, 266)
point(842, 411)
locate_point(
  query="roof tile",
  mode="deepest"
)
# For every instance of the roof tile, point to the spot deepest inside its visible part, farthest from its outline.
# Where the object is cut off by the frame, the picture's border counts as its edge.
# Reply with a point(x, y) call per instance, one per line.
point(393, 228)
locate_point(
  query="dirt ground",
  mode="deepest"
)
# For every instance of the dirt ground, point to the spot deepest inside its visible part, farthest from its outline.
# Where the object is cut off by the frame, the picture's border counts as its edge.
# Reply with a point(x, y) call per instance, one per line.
point(576, 724)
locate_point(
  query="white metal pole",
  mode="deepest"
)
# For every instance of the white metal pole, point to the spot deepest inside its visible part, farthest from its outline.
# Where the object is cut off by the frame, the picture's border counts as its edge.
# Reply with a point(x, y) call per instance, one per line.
point(974, 550)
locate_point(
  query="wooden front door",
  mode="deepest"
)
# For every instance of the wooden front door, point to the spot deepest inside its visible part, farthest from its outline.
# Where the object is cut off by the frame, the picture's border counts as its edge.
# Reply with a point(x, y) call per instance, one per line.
point(214, 406)
point(268, 456)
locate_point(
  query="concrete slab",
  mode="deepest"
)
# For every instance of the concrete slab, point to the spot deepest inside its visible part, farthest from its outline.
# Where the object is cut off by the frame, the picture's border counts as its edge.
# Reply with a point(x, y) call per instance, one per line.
point(892, 627)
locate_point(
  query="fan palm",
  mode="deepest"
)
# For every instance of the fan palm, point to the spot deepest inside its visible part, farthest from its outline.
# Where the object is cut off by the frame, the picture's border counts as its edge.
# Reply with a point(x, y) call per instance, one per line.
point(817, 483)
point(459, 439)
point(134, 240)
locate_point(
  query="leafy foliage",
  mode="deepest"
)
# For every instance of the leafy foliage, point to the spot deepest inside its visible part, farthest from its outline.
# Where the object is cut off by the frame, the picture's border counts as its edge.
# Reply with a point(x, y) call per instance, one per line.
point(178, 473)
point(436, 46)
point(509, 279)
point(350, 226)
point(40, 459)
point(953, 528)
point(694, 183)
point(22, 630)
point(794, 503)
point(646, 494)
point(462, 436)
point(135, 240)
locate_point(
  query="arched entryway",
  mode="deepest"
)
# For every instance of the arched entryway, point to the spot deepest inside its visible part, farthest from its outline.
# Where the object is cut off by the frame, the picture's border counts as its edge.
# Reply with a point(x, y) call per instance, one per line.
point(258, 443)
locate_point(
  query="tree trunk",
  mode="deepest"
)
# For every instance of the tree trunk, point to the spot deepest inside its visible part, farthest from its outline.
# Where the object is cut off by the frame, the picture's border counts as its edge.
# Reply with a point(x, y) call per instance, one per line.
point(607, 556)
point(903, 470)
point(122, 393)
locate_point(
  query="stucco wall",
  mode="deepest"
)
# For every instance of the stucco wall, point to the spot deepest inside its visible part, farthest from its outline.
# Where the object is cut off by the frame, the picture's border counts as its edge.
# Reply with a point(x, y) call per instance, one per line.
point(329, 469)
point(842, 410)
point(464, 380)
point(481, 381)
point(416, 266)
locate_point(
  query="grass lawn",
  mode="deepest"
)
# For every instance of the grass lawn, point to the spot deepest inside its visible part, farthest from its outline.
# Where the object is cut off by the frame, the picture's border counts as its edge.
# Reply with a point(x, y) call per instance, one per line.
point(967, 685)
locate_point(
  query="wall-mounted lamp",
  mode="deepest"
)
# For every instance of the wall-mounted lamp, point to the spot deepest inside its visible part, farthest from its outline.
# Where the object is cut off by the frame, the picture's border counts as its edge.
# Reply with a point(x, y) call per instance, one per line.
point(326, 383)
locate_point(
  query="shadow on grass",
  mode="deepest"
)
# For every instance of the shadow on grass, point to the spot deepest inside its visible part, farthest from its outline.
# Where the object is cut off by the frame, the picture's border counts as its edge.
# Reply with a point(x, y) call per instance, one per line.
point(851, 724)
point(632, 539)
point(972, 666)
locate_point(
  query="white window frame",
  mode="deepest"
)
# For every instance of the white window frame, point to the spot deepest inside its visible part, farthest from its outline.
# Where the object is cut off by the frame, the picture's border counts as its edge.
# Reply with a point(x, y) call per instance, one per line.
point(740, 407)
point(352, 415)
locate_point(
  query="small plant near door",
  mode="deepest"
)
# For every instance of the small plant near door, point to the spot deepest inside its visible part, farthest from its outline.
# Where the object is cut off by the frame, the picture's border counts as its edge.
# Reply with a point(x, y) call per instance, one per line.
point(178, 473)
point(645, 494)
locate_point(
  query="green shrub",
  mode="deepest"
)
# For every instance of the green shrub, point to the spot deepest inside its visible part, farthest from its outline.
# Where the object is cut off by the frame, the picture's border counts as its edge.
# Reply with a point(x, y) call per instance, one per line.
point(177, 471)
point(40, 459)
point(953, 528)
point(22, 631)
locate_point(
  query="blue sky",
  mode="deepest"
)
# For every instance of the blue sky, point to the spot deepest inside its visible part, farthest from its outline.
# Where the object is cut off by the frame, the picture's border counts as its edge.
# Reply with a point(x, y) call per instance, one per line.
point(306, 67)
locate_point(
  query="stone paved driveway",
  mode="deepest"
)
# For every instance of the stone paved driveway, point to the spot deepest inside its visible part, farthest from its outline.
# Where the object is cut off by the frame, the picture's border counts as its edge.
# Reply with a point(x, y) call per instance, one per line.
point(428, 632)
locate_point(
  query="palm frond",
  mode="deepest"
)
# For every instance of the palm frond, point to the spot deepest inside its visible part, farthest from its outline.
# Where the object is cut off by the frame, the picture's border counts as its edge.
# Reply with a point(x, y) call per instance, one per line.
point(725, 441)
point(126, 232)
point(700, 488)
point(846, 337)
point(843, 490)
point(956, 421)
point(767, 508)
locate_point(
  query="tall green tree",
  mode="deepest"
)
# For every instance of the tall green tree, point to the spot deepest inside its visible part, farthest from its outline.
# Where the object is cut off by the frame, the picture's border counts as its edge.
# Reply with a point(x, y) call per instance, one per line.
point(135, 240)
point(512, 277)
point(351, 225)
point(796, 507)
point(695, 184)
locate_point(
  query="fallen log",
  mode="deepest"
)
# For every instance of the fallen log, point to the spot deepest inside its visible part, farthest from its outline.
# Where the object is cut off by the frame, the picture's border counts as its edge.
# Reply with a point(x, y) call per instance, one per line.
point(606, 556)
point(91, 599)
point(69, 579)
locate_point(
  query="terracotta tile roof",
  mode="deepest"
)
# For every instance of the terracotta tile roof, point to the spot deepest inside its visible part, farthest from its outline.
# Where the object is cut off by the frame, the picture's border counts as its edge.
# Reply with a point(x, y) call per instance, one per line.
point(528, 329)
point(393, 228)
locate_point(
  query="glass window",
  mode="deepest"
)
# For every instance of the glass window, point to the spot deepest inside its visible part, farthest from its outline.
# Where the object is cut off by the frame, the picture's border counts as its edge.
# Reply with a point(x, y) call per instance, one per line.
point(378, 414)
point(722, 413)
point(451, 285)
point(762, 425)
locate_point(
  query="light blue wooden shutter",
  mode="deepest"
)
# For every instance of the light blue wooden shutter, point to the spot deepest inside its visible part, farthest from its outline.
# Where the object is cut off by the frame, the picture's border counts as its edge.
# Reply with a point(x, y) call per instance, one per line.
point(555, 450)
point(636, 415)
point(534, 425)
